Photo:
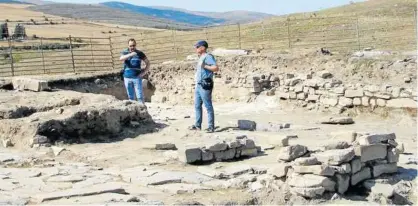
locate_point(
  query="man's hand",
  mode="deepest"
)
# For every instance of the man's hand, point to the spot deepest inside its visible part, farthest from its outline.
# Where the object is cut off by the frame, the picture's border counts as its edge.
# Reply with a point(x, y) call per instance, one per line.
point(132, 54)
point(143, 73)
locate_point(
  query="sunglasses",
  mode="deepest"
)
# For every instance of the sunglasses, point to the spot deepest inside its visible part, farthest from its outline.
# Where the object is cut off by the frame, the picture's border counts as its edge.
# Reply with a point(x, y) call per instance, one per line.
point(132, 45)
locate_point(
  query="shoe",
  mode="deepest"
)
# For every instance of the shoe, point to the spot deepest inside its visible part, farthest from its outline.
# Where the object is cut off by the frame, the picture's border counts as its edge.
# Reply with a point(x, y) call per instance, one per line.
point(194, 128)
point(210, 130)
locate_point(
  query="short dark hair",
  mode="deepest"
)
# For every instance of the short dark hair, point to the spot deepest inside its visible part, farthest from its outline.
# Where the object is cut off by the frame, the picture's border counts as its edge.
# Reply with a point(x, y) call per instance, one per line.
point(132, 39)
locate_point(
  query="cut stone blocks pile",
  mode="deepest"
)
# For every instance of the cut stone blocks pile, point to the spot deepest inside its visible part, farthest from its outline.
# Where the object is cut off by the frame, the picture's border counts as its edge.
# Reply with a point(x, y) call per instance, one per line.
point(220, 150)
point(322, 89)
point(339, 166)
point(91, 115)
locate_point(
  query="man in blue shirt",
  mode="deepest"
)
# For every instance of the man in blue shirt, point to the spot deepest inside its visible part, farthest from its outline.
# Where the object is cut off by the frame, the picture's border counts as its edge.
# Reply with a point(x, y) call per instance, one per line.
point(205, 68)
point(132, 72)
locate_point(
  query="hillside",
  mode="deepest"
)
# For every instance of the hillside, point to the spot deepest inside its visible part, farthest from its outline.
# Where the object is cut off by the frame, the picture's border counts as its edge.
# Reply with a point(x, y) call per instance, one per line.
point(12, 2)
point(192, 17)
point(169, 14)
point(101, 13)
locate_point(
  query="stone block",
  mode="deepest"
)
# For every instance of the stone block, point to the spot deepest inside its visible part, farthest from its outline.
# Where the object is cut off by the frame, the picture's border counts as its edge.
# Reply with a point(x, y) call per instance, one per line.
point(363, 174)
point(355, 165)
point(217, 146)
point(380, 102)
point(301, 96)
point(191, 154)
point(396, 92)
point(247, 143)
point(298, 88)
point(282, 95)
point(24, 83)
point(342, 169)
point(357, 101)
point(329, 101)
point(311, 91)
point(311, 181)
point(207, 156)
point(401, 103)
point(337, 120)
point(375, 138)
point(365, 101)
point(393, 155)
point(236, 170)
point(345, 102)
point(384, 169)
point(371, 152)
point(278, 170)
point(311, 192)
point(313, 98)
point(248, 152)
point(247, 125)
point(337, 145)
point(290, 153)
point(351, 93)
point(225, 155)
point(335, 157)
point(165, 146)
point(306, 161)
point(386, 190)
point(292, 95)
point(325, 74)
point(343, 182)
point(321, 170)
point(339, 90)
point(382, 96)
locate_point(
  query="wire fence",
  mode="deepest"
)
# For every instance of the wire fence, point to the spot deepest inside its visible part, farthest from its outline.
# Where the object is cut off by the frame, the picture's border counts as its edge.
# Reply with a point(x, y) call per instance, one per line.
point(82, 54)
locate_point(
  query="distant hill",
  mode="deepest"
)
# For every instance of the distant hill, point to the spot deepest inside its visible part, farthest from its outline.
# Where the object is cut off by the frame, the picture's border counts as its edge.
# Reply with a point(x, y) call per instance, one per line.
point(170, 14)
point(12, 2)
point(229, 17)
point(95, 12)
point(191, 17)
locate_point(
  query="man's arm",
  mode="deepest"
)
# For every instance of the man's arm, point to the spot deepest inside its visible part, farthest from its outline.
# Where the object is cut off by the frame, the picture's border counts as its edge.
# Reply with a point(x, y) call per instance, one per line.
point(127, 56)
point(147, 65)
point(210, 64)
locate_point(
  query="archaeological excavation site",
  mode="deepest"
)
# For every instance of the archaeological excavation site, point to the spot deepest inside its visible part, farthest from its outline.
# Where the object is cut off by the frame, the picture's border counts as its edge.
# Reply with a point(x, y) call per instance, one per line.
point(299, 127)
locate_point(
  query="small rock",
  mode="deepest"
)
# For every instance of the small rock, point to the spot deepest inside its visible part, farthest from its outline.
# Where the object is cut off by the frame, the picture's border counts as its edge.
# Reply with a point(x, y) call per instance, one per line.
point(59, 110)
point(338, 120)
point(7, 143)
point(325, 74)
point(57, 150)
point(186, 117)
point(165, 146)
point(279, 170)
point(407, 79)
point(379, 189)
point(290, 153)
point(247, 125)
point(342, 169)
point(336, 196)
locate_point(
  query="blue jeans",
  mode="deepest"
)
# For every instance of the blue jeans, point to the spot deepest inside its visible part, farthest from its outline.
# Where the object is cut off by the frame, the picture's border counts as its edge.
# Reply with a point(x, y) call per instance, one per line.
point(134, 86)
point(202, 96)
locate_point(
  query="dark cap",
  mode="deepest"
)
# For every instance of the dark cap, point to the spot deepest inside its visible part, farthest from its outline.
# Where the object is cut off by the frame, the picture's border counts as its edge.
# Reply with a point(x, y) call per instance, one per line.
point(201, 43)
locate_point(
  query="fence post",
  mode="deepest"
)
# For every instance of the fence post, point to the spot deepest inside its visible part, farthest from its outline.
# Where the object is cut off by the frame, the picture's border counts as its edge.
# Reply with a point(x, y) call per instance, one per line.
point(288, 33)
point(72, 54)
point(11, 56)
point(173, 33)
point(239, 36)
point(358, 33)
point(206, 33)
point(416, 28)
point(92, 56)
point(42, 53)
point(111, 53)
point(262, 30)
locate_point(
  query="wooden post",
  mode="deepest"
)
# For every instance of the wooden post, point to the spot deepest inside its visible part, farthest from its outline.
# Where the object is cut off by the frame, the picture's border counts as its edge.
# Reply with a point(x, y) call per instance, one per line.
point(358, 34)
point(416, 28)
point(42, 53)
point(239, 36)
point(11, 57)
point(92, 56)
point(72, 54)
point(206, 33)
point(111, 53)
point(288, 33)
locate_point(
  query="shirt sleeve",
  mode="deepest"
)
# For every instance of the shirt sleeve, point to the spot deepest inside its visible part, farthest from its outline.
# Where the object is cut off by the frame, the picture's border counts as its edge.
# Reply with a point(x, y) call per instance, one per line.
point(124, 52)
point(210, 60)
point(141, 55)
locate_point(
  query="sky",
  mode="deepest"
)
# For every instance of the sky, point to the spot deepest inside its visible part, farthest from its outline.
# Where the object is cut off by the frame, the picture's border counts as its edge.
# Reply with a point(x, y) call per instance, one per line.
point(276, 7)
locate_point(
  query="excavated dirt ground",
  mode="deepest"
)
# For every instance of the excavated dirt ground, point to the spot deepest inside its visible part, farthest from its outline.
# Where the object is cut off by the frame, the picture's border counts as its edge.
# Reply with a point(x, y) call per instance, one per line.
point(28, 173)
